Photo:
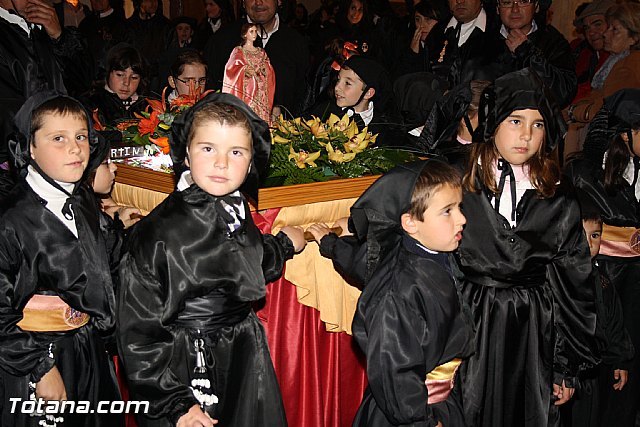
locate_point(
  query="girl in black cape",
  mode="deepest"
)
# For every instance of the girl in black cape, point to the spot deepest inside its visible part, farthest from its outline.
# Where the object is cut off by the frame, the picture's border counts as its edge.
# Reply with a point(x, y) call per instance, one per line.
point(607, 171)
point(525, 264)
point(58, 307)
point(187, 333)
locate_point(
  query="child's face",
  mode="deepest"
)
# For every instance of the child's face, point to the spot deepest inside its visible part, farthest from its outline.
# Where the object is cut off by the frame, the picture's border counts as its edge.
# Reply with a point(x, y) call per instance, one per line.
point(61, 147)
point(441, 227)
point(195, 73)
point(105, 176)
point(349, 88)
point(219, 157)
point(124, 82)
point(184, 32)
point(520, 136)
point(593, 230)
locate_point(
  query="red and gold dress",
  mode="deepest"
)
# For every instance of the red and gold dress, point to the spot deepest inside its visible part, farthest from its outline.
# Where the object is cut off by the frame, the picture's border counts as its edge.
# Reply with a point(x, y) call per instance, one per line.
point(250, 76)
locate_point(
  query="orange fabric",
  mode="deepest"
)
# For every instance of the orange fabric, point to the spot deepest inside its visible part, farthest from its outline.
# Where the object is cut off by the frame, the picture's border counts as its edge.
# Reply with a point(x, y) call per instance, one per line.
point(49, 313)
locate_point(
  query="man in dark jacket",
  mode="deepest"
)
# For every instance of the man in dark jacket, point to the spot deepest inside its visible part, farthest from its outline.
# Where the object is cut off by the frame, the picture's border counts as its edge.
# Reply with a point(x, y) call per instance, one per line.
point(36, 53)
point(468, 43)
point(542, 48)
point(286, 48)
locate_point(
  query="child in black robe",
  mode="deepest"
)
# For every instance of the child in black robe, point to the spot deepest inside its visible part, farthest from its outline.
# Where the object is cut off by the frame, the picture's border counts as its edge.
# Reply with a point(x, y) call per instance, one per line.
point(187, 333)
point(616, 349)
point(57, 300)
point(608, 170)
point(526, 270)
point(409, 321)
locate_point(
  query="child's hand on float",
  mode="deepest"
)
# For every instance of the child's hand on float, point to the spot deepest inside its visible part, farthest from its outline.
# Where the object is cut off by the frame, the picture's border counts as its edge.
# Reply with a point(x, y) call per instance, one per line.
point(196, 418)
point(297, 237)
point(51, 386)
point(343, 223)
point(621, 376)
point(318, 231)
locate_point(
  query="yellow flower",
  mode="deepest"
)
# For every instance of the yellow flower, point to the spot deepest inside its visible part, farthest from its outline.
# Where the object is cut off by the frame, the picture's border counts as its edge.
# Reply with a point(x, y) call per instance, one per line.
point(302, 159)
point(338, 156)
point(339, 124)
point(352, 129)
point(289, 127)
point(278, 139)
point(317, 128)
point(358, 143)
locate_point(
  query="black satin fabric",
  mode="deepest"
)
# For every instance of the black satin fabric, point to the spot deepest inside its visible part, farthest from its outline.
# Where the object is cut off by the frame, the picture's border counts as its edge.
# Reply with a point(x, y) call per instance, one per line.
point(110, 107)
point(530, 290)
point(619, 208)
point(408, 321)
point(183, 257)
point(31, 64)
point(38, 254)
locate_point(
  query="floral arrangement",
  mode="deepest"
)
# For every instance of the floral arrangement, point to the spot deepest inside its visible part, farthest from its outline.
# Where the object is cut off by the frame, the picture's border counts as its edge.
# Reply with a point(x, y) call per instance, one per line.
point(151, 128)
point(306, 151)
point(302, 151)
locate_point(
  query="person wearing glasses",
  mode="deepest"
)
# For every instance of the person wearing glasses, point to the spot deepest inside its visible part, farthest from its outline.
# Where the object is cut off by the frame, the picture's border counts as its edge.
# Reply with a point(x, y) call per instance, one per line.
point(188, 74)
point(249, 75)
point(527, 43)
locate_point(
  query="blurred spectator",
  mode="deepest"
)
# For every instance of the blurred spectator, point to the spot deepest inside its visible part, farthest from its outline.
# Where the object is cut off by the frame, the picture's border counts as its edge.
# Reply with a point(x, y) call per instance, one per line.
point(300, 20)
point(591, 53)
point(104, 28)
point(71, 12)
point(622, 68)
point(218, 14)
point(36, 54)
point(150, 29)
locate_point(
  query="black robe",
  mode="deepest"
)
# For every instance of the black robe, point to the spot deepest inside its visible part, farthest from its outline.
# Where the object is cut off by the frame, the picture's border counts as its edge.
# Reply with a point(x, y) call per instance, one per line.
point(408, 322)
point(288, 52)
point(39, 254)
point(530, 290)
point(619, 208)
point(31, 64)
point(186, 277)
point(110, 107)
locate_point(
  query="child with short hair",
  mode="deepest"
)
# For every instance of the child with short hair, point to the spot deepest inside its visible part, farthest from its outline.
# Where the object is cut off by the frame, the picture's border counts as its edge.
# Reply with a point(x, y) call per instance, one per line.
point(363, 90)
point(408, 320)
point(101, 180)
point(188, 337)
point(126, 81)
point(57, 299)
point(608, 170)
point(616, 349)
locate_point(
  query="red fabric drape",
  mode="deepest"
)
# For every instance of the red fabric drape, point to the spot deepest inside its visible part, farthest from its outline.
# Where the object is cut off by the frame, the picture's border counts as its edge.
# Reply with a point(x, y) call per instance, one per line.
point(321, 374)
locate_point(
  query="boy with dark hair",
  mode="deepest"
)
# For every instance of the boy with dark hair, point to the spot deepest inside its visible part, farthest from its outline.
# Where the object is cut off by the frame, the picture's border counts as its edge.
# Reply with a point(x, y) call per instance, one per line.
point(408, 320)
point(616, 348)
point(56, 293)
